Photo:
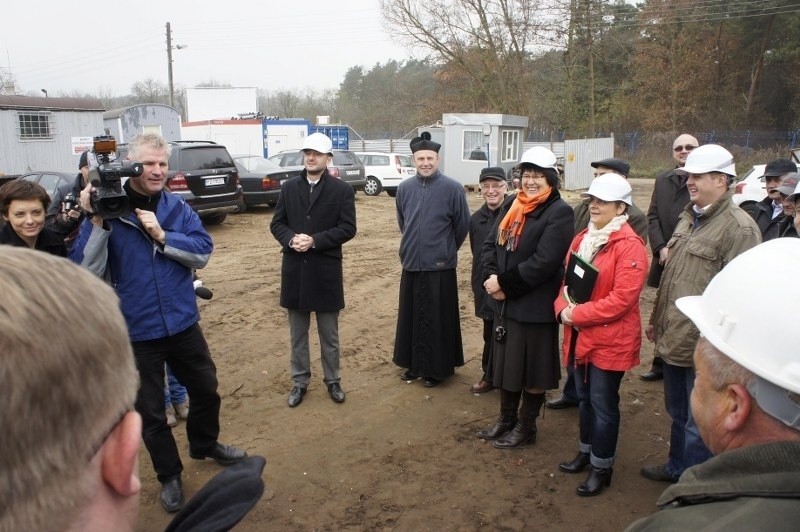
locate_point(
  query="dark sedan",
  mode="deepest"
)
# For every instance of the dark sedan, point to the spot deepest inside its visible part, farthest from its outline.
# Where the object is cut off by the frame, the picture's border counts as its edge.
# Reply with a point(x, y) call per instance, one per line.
point(50, 179)
point(261, 179)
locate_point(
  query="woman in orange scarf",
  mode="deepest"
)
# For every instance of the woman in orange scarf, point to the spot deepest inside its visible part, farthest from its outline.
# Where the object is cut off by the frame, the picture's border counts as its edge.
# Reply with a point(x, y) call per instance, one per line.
point(522, 266)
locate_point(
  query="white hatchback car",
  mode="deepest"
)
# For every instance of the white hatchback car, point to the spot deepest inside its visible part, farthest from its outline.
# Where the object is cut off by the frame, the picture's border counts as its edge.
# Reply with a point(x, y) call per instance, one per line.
point(385, 171)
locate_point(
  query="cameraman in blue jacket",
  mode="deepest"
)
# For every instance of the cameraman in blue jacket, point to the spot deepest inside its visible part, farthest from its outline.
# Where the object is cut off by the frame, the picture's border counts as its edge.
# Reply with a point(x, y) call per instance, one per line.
point(148, 256)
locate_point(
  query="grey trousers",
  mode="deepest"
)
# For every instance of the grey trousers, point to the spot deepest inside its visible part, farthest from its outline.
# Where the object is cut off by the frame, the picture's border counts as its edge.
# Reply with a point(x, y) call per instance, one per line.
point(328, 329)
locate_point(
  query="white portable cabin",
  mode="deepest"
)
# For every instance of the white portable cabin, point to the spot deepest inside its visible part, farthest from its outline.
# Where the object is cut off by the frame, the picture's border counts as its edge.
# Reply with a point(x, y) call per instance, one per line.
point(41, 133)
point(473, 141)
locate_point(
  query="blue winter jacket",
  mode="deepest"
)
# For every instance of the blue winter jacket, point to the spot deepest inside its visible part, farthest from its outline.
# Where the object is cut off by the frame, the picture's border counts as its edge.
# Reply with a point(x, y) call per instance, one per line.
point(153, 282)
point(433, 216)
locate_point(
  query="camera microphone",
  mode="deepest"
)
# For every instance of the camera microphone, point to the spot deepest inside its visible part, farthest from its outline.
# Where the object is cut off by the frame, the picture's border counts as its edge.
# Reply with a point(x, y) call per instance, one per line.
point(203, 293)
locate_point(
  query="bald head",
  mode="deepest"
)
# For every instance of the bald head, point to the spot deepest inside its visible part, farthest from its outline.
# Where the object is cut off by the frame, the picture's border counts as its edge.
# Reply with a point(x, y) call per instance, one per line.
point(682, 142)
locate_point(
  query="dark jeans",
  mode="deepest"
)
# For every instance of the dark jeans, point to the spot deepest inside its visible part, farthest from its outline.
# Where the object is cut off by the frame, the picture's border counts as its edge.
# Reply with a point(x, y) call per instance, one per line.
point(188, 356)
point(686, 448)
point(570, 393)
point(598, 392)
point(488, 338)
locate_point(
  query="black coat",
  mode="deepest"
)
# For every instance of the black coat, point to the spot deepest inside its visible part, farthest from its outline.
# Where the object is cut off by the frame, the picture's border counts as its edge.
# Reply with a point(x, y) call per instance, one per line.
point(480, 225)
point(669, 198)
point(48, 240)
point(762, 214)
point(313, 281)
point(531, 276)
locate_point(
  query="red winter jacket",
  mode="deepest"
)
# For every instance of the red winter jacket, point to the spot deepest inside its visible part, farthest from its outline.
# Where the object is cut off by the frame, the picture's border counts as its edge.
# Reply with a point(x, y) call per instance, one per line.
point(609, 324)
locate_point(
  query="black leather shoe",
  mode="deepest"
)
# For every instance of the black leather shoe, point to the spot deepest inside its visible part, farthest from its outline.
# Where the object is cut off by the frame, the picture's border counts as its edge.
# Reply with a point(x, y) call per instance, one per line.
point(658, 473)
point(651, 376)
point(481, 387)
point(561, 402)
point(577, 465)
point(296, 396)
point(595, 482)
point(498, 430)
point(171, 495)
point(223, 454)
point(336, 392)
point(430, 382)
point(408, 376)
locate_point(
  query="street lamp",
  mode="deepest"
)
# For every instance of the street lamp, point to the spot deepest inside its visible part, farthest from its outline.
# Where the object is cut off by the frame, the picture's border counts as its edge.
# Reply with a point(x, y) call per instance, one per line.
point(170, 47)
point(45, 92)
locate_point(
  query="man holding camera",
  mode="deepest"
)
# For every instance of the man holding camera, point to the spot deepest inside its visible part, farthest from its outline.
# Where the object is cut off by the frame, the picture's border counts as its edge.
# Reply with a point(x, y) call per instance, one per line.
point(148, 255)
point(64, 216)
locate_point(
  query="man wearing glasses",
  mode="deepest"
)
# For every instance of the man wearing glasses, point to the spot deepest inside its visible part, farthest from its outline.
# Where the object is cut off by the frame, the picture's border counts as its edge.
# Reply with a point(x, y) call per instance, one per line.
point(670, 196)
point(493, 188)
point(769, 213)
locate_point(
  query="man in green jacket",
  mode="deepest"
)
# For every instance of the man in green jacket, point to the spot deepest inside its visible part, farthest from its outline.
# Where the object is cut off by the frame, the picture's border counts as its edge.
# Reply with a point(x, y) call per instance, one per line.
point(711, 231)
point(745, 401)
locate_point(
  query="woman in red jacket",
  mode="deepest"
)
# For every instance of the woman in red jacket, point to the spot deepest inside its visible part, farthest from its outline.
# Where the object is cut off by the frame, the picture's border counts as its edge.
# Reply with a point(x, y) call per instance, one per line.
point(608, 326)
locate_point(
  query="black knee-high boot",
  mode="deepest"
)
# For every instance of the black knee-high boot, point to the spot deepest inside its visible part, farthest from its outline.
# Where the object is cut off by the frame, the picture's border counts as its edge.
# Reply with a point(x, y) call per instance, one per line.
point(525, 430)
point(509, 402)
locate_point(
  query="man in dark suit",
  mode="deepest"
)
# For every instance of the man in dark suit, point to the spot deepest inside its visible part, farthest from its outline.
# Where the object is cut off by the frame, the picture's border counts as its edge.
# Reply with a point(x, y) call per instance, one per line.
point(315, 215)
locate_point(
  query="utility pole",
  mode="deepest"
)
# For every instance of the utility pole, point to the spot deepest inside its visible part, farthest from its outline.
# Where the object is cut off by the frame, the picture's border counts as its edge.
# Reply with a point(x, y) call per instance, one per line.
point(170, 47)
point(169, 66)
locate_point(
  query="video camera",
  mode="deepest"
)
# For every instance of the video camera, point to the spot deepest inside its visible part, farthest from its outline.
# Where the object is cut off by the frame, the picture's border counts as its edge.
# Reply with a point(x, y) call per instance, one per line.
point(109, 200)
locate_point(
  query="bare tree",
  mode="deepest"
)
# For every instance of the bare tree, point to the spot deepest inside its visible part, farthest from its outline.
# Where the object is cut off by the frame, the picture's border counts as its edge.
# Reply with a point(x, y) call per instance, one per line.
point(486, 43)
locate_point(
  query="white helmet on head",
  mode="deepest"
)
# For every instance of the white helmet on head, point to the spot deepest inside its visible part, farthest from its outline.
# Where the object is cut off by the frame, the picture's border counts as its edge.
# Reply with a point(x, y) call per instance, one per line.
point(708, 158)
point(728, 316)
point(610, 187)
point(539, 156)
point(318, 142)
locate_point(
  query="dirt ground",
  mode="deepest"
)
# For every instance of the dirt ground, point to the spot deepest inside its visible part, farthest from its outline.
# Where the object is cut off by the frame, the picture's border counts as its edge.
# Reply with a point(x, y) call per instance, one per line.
point(394, 456)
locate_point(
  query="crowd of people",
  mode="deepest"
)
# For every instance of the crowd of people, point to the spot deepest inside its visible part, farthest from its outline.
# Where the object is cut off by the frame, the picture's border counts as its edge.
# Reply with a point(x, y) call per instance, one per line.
point(541, 271)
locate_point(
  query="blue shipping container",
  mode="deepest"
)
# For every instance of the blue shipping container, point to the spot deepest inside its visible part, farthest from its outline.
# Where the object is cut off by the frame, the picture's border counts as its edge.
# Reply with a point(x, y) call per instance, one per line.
point(339, 135)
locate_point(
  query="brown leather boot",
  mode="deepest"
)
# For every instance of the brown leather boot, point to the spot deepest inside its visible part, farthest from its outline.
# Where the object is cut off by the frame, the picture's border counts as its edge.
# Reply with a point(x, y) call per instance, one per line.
point(524, 432)
point(509, 402)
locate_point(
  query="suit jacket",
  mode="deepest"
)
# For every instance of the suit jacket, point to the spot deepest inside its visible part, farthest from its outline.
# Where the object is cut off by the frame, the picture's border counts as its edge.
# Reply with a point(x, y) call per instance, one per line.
point(670, 196)
point(313, 281)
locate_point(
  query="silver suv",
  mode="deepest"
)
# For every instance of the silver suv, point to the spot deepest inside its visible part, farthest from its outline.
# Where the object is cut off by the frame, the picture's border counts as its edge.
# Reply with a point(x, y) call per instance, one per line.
point(344, 165)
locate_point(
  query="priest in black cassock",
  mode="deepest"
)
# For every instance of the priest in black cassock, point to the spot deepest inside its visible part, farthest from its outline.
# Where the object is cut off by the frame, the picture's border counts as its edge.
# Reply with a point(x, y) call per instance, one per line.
point(433, 215)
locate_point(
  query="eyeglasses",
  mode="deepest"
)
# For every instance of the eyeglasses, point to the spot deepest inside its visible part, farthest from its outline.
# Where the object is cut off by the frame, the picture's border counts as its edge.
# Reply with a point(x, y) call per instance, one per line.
point(486, 186)
point(688, 147)
point(533, 175)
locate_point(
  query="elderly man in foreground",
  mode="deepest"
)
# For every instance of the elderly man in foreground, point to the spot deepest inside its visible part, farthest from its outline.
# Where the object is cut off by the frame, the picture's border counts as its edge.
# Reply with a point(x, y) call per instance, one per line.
point(746, 401)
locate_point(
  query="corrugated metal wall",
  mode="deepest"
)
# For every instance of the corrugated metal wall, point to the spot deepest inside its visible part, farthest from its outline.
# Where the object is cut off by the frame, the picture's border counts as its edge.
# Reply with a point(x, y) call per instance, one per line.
point(20, 156)
point(161, 118)
point(578, 156)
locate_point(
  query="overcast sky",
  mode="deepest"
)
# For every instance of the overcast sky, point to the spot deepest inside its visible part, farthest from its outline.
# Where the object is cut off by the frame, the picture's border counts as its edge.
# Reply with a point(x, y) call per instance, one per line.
point(89, 46)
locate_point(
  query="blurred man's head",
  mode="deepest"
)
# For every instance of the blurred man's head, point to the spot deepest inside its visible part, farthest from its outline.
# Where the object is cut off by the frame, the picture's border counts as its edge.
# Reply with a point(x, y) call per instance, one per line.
point(68, 455)
point(747, 391)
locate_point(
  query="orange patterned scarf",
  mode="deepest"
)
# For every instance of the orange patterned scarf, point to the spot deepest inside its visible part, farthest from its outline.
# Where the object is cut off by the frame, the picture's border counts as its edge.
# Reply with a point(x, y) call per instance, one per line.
point(511, 226)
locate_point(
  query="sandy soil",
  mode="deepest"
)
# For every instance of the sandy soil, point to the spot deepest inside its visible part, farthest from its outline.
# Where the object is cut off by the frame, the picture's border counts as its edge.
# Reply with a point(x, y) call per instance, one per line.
point(394, 456)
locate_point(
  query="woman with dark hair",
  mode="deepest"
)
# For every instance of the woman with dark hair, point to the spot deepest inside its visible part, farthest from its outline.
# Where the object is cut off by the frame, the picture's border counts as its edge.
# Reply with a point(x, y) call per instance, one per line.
point(23, 205)
point(603, 334)
point(522, 260)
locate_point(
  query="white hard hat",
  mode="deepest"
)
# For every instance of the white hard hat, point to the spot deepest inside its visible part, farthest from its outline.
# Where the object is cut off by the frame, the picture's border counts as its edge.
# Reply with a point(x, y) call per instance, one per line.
point(610, 187)
point(796, 194)
point(708, 158)
point(728, 316)
point(539, 156)
point(318, 142)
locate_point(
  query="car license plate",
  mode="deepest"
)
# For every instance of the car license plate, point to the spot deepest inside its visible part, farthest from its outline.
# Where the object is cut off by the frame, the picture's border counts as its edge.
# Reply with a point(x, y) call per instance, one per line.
point(352, 172)
point(215, 181)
